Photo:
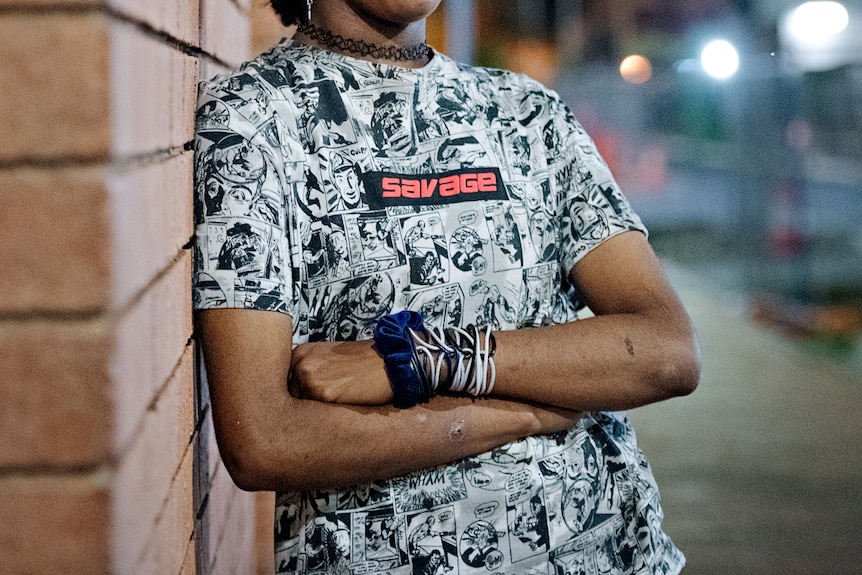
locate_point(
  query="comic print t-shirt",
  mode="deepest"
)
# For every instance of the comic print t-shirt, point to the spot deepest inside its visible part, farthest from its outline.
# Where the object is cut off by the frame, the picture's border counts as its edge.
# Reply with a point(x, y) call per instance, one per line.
point(338, 190)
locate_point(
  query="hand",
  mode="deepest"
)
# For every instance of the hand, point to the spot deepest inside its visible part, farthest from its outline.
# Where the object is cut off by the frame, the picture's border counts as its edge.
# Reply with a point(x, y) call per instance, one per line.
point(348, 372)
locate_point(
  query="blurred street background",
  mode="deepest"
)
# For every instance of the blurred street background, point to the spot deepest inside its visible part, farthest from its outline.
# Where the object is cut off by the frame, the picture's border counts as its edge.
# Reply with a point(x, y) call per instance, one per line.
point(735, 129)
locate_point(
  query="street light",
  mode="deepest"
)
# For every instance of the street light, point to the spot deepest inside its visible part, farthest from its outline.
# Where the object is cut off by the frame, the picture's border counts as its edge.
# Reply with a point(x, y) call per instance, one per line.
point(636, 69)
point(819, 36)
point(720, 59)
point(814, 23)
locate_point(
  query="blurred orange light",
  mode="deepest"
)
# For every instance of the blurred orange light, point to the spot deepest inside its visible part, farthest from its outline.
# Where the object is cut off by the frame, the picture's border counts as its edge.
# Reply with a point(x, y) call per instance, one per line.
point(636, 69)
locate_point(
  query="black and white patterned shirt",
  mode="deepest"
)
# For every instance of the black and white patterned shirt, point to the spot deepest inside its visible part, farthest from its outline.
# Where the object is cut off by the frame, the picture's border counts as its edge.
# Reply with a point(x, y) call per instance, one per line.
point(337, 190)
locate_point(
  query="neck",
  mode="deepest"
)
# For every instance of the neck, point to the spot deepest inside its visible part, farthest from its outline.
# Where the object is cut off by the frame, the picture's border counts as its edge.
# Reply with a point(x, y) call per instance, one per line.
point(377, 26)
point(405, 55)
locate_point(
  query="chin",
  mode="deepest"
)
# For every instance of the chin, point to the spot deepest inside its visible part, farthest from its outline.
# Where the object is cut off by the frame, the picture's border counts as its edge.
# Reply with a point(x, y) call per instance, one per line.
point(397, 12)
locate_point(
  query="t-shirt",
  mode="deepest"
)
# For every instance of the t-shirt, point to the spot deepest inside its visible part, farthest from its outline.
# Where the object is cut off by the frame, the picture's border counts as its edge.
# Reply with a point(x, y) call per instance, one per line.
point(338, 190)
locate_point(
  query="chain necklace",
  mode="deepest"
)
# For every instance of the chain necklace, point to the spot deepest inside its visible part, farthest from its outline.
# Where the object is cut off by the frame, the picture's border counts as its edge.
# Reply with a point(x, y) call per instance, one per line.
point(360, 47)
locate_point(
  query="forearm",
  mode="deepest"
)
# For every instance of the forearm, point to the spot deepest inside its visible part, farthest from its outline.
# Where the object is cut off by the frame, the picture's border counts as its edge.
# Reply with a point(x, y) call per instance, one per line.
point(608, 362)
point(271, 440)
point(639, 348)
point(305, 444)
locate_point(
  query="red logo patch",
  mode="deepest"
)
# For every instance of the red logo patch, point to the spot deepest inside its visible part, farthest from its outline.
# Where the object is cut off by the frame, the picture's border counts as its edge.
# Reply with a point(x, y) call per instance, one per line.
point(385, 189)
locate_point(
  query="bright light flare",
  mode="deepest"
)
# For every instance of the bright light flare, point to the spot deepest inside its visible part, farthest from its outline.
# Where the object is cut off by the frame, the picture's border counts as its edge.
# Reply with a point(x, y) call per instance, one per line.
point(636, 69)
point(817, 22)
point(720, 59)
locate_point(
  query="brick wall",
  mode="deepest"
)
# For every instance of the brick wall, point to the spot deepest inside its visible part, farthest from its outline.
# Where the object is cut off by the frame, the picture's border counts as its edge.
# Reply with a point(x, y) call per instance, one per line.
point(107, 460)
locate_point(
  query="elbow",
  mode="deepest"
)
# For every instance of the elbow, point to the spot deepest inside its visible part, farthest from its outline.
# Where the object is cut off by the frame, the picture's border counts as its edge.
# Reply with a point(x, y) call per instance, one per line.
point(681, 373)
point(685, 378)
point(243, 466)
point(256, 462)
point(245, 459)
point(244, 471)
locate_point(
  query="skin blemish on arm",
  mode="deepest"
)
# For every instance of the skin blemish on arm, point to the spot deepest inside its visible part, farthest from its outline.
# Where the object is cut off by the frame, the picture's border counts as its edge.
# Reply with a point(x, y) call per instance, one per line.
point(456, 431)
point(630, 347)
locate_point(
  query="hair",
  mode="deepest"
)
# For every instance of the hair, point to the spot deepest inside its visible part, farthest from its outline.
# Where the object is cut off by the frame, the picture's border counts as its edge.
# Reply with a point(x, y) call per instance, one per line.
point(290, 11)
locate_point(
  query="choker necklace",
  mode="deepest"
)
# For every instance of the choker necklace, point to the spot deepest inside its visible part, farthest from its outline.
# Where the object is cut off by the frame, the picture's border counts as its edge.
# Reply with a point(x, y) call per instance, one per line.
point(359, 47)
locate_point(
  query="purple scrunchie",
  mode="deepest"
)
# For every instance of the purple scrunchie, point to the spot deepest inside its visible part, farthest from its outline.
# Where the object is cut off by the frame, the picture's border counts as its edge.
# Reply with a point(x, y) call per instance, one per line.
point(394, 342)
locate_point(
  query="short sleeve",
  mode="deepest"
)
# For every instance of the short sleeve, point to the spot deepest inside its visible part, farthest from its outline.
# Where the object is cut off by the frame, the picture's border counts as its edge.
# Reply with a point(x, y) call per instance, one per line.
point(241, 242)
point(591, 206)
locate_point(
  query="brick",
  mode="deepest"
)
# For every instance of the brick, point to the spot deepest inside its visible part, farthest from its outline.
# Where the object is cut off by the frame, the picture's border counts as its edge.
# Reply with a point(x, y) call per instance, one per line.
point(215, 459)
point(232, 527)
point(154, 89)
point(208, 460)
point(222, 495)
point(56, 398)
point(151, 209)
point(151, 337)
point(49, 3)
point(165, 549)
point(190, 565)
point(225, 31)
point(153, 487)
point(59, 64)
point(59, 245)
point(178, 19)
point(55, 524)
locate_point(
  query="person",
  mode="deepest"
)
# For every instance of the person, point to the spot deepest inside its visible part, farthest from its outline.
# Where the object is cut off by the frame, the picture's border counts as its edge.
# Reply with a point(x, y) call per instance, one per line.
point(484, 415)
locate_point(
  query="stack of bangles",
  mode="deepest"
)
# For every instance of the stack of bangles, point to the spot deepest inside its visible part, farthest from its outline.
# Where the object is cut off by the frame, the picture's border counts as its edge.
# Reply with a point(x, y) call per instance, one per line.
point(422, 362)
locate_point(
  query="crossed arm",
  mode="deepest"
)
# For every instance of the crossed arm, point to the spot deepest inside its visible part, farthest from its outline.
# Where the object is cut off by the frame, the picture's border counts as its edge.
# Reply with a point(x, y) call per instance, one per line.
point(335, 427)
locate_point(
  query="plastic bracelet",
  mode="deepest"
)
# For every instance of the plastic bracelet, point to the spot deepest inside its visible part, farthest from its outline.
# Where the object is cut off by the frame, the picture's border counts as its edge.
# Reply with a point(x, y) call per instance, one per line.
point(467, 355)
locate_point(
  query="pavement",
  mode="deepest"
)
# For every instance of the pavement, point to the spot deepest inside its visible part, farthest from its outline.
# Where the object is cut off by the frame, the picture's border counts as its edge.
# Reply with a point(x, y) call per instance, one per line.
point(760, 469)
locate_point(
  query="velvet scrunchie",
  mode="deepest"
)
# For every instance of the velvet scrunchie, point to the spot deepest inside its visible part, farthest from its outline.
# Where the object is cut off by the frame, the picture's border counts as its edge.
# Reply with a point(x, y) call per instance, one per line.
point(393, 341)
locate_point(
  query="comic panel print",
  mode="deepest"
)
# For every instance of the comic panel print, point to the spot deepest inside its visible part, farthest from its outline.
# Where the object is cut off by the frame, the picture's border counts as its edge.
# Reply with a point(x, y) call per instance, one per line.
point(572, 481)
point(313, 239)
point(337, 252)
point(441, 307)
point(213, 115)
point(244, 263)
point(596, 212)
point(506, 243)
point(536, 213)
point(461, 152)
point(429, 489)
point(323, 120)
point(347, 311)
point(325, 253)
point(340, 171)
point(601, 551)
point(456, 105)
point(541, 302)
point(375, 242)
point(527, 515)
point(425, 242)
point(249, 96)
point(388, 113)
point(322, 545)
point(364, 496)
point(518, 148)
point(469, 244)
point(481, 547)
point(235, 178)
point(208, 292)
point(491, 305)
point(378, 541)
point(432, 542)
